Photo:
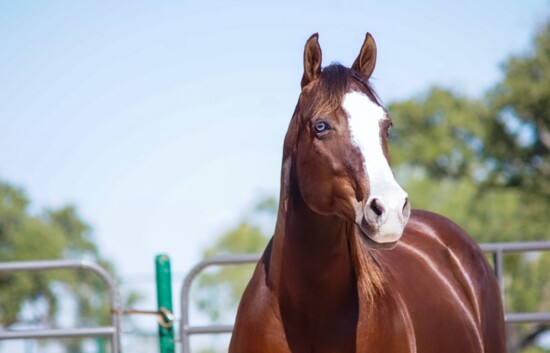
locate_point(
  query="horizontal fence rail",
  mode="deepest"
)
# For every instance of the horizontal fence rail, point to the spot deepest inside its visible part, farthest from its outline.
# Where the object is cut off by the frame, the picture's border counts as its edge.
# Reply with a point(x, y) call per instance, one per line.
point(112, 331)
point(495, 250)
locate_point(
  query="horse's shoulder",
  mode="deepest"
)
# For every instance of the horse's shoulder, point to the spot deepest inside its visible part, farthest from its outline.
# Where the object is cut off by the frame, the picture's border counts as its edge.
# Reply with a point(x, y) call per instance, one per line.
point(258, 324)
point(436, 253)
point(257, 295)
point(446, 245)
point(425, 227)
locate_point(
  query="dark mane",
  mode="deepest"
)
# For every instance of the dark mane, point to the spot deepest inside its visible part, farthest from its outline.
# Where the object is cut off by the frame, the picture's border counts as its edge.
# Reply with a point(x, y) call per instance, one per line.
point(335, 81)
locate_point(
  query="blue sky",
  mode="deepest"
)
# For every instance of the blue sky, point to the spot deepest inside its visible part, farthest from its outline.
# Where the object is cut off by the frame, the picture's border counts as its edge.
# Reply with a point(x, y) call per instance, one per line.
point(163, 121)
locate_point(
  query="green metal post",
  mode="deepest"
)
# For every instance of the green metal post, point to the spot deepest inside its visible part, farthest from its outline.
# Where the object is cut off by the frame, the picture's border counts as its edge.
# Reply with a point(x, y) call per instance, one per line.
point(164, 303)
point(100, 343)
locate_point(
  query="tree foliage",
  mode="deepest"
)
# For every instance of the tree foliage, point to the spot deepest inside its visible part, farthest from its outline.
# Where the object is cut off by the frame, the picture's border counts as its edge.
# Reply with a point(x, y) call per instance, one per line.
point(441, 133)
point(35, 298)
point(520, 129)
point(220, 289)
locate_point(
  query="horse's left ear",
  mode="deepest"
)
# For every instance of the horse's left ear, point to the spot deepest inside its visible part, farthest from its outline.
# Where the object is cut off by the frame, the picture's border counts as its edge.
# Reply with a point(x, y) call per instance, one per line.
point(366, 60)
point(312, 60)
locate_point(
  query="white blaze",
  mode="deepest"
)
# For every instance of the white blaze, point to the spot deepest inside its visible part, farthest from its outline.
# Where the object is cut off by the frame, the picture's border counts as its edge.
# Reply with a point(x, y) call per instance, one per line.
point(364, 122)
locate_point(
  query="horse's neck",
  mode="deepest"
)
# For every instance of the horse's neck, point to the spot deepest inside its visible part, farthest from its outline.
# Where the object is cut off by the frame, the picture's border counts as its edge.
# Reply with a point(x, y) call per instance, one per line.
point(311, 261)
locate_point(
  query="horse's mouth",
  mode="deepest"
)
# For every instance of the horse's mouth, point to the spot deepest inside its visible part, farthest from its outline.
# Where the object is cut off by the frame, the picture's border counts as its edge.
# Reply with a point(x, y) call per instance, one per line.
point(364, 230)
point(374, 245)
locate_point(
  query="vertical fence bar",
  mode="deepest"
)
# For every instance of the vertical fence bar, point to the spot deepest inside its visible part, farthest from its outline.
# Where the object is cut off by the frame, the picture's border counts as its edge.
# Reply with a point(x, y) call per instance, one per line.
point(164, 302)
point(185, 330)
point(499, 271)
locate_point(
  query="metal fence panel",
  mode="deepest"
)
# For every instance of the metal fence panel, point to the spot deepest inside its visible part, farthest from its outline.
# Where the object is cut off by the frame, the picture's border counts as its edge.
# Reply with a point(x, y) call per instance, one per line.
point(113, 331)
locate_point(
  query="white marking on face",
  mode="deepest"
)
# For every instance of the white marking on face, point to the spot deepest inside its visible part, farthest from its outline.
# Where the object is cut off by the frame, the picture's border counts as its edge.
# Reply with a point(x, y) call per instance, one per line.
point(364, 122)
point(364, 117)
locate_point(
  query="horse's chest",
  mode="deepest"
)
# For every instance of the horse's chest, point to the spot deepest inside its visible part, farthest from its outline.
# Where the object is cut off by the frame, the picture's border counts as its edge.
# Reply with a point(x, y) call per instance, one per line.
point(313, 328)
point(386, 328)
point(419, 317)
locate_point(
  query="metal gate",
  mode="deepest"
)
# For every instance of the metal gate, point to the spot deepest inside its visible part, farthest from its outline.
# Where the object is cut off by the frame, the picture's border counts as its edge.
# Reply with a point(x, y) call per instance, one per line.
point(112, 331)
point(164, 304)
point(497, 251)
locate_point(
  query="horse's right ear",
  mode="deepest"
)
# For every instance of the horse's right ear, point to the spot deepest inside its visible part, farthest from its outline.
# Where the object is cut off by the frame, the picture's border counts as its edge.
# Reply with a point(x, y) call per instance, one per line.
point(312, 60)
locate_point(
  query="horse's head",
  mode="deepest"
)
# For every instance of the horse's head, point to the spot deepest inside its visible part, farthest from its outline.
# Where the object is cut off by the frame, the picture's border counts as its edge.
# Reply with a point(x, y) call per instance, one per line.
point(338, 143)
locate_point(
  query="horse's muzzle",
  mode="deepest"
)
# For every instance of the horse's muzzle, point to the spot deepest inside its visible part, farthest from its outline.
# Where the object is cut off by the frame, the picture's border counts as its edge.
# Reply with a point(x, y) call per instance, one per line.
point(383, 219)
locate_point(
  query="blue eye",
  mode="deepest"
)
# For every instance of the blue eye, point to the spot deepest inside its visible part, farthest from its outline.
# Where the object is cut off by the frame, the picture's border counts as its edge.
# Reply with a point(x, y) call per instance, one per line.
point(321, 126)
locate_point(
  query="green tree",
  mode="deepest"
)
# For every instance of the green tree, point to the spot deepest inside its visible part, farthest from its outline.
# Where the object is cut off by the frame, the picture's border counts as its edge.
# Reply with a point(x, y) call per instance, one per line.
point(520, 130)
point(441, 133)
point(439, 153)
point(219, 290)
point(53, 234)
point(519, 155)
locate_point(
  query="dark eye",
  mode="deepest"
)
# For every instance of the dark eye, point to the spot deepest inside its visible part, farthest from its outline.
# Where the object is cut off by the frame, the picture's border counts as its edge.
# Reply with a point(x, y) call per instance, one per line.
point(321, 126)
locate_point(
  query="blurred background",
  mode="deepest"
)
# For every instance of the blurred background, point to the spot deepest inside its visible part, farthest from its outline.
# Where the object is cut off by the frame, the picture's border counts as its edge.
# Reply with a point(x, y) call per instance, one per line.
point(135, 128)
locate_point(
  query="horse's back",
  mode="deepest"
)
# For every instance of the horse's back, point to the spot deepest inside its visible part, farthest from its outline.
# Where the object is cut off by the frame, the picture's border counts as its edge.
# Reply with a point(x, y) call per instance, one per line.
point(446, 286)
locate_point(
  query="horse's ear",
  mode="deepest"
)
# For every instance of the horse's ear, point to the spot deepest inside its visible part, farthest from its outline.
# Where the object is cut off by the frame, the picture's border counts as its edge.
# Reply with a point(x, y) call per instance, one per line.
point(312, 60)
point(366, 60)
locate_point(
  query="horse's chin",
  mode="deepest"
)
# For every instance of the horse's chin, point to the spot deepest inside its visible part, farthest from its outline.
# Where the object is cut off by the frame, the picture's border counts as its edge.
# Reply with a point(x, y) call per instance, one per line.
point(375, 244)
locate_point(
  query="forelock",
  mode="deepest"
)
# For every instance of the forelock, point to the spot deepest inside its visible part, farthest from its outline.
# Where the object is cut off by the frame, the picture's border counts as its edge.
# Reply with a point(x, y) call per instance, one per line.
point(334, 82)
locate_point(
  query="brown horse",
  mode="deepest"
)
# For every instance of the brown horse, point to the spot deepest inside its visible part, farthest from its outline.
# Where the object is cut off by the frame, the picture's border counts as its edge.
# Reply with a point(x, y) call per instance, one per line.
point(337, 276)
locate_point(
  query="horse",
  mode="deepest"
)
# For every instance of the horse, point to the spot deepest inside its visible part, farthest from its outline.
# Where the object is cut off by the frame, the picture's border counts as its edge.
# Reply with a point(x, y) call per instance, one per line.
point(350, 267)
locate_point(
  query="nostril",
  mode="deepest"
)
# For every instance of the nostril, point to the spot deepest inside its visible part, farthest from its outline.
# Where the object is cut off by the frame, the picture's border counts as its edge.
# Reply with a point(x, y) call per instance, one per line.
point(376, 207)
point(406, 209)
